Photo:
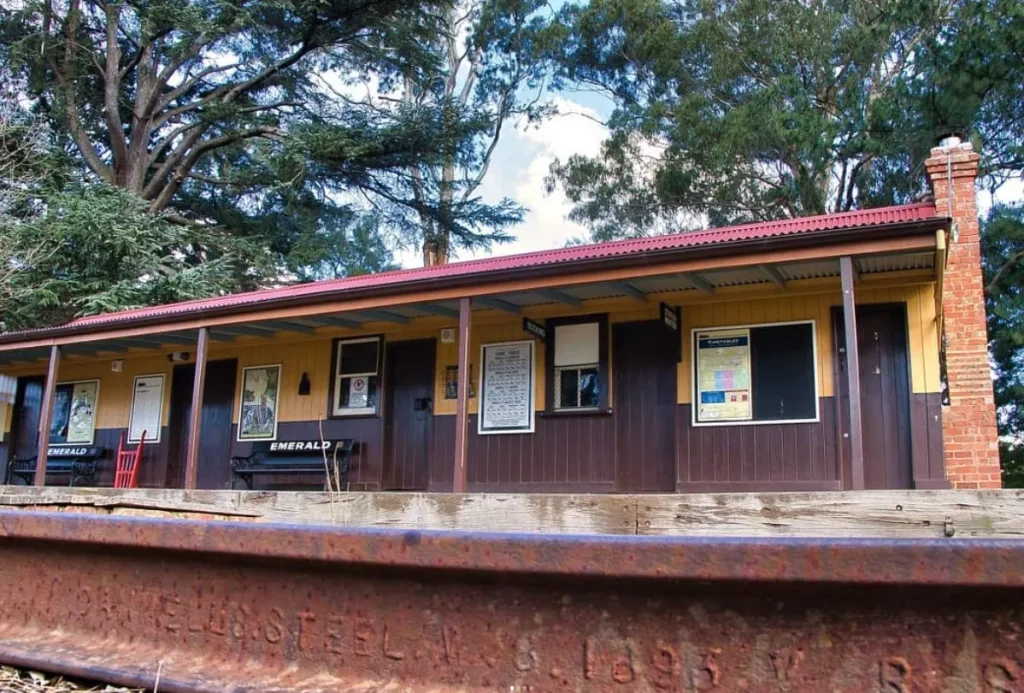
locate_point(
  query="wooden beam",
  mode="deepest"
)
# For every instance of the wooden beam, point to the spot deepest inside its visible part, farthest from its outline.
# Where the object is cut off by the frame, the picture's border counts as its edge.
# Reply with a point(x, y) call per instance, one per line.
point(435, 309)
point(774, 275)
point(139, 343)
point(45, 416)
point(93, 349)
point(853, 268)
point(196, 415)
point(386, 316)
point(498, 304)
point(335, 321)
point(459, 478)
point(175, 339)
point(631, 291)
point(243, 330)
point(852, 372)
point(287, 326)
point(560, 297)
point(433, 294)
point(700, 283)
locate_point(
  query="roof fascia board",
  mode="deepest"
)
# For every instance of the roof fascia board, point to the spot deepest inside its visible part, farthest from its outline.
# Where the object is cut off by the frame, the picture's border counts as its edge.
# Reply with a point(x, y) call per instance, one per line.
point(623, 268)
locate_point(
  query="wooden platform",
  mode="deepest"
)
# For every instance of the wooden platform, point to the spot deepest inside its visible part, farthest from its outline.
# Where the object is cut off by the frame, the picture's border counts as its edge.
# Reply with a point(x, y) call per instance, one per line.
point(907, 514)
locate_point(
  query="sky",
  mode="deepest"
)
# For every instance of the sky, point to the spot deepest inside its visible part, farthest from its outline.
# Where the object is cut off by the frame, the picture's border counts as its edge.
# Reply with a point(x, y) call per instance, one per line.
point(525, 153)
point(520, 165)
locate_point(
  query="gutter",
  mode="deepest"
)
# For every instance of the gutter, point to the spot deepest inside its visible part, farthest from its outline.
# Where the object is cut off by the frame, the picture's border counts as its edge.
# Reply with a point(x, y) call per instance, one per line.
point(480, 280)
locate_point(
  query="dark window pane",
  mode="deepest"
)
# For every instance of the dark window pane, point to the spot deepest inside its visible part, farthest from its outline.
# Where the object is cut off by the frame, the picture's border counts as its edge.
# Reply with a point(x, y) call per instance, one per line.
point(347, 399)
point(569, 383)
point(589, 390)
point(782, 372)
point(61, 413)
point(360, 357)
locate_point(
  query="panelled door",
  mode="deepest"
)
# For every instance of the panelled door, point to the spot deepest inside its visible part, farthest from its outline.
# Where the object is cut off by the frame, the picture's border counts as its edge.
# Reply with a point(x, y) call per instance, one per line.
point(28, 404)
point(644, 391)
point(215, 425)
point(408, 413)
point(884, 392)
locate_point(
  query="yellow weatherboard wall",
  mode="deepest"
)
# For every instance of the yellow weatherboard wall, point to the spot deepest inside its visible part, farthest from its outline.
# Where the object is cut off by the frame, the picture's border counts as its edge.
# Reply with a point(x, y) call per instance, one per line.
point(812, 299)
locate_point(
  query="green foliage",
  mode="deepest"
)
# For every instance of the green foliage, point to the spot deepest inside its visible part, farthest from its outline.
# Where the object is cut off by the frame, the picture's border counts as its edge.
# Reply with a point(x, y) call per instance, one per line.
point(97, 248)
point(254, 123)
point(487, 74)
point(1003, 262)
point(743, 110)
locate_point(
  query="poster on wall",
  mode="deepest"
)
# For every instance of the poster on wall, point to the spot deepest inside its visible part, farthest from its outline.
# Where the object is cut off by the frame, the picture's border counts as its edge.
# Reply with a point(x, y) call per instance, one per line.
point(506, 388)
point(257, 416)
point(723, 375)
point(147, 408)
point(74, 413)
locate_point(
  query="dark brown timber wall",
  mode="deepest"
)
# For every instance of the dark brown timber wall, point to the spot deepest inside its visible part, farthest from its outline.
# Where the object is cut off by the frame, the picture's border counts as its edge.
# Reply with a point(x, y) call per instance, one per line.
point(577, 454)
point(926, 440)
point(763, 457)
point(565, 453)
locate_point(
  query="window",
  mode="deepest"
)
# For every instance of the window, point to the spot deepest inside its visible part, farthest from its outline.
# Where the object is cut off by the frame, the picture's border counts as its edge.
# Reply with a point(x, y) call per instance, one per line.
point(356, 368)
point(74, 413)
point(577, 363)
point(755, 374)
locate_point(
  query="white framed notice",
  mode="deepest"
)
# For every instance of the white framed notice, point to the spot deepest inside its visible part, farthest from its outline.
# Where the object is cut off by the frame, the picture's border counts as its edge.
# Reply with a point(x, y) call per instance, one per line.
point(147, 408)
point(506, 388)
point(723, 375)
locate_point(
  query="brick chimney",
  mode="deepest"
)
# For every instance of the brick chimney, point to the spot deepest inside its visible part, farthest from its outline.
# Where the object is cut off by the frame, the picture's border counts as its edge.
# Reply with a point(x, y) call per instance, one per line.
point(969, 436)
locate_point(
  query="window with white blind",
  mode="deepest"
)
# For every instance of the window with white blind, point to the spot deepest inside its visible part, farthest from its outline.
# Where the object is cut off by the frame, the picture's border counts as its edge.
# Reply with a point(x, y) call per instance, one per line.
point(577, 360)
point(356, 368)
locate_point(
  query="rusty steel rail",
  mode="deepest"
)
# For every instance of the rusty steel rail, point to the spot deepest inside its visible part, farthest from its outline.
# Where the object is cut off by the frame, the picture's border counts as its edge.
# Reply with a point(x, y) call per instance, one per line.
point(217, 606)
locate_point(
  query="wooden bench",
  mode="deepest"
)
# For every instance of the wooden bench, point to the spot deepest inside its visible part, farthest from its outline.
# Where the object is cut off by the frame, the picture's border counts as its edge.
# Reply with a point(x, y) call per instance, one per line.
point(293, 458)
point(77, 462)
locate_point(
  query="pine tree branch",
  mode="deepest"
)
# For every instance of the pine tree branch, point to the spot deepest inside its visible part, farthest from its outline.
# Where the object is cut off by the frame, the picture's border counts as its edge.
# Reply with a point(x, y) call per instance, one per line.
point(993, 286)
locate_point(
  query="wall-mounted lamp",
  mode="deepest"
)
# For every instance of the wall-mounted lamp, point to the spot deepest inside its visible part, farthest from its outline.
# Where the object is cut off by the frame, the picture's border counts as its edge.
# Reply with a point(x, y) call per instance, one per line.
point(304, 384)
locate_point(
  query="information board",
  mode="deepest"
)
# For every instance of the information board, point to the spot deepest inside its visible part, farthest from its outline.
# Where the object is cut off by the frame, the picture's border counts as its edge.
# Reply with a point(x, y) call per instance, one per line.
point(506, 388)
point(147, 408)
point(723, 375)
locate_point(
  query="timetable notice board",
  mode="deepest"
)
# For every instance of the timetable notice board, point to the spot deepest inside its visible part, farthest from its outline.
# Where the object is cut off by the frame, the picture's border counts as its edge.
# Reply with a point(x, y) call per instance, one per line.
point(723, 375)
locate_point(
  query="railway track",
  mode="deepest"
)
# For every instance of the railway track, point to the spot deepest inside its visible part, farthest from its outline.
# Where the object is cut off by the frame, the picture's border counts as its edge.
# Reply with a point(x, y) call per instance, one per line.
point(217, 606)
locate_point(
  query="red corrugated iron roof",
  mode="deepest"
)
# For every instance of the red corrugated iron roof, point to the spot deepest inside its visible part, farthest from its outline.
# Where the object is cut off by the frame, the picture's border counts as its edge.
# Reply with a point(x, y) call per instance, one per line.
point(639, 246)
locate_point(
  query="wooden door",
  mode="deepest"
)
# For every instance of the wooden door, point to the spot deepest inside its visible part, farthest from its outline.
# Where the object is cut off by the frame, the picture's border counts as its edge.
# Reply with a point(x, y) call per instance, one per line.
point(28, 403)
point(216, 432)
point(885, 396)
point(408, 413)
point(644, 382)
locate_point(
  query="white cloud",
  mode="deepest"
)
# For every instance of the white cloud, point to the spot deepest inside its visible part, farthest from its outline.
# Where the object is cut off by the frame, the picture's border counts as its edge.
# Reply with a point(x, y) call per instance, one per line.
point(574, 130)
point(520, 165)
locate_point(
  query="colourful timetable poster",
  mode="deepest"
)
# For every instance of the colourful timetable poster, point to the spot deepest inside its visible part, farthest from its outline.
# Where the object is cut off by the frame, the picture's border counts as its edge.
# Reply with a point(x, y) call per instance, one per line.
point(723, 375)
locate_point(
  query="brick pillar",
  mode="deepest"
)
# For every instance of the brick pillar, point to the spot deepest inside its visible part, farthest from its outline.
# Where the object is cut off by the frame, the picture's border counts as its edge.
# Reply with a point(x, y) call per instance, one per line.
point(969, 433)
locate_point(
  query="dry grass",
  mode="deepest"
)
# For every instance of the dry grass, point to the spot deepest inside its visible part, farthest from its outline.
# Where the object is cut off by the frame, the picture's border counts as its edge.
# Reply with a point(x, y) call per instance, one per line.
point(17, 681)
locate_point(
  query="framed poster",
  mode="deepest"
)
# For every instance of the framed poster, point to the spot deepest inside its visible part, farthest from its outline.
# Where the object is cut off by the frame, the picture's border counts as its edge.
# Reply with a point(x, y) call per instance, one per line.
point(257, 415)
point(506, 388)
point(74, 413)
point(147, 408)
point(723, 375)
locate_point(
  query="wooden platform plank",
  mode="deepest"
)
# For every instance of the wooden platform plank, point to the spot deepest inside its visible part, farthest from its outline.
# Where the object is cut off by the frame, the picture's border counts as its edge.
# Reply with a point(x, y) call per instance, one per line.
point(534, 513)
point(854, 514)
point(223, 503)
point(884, 514)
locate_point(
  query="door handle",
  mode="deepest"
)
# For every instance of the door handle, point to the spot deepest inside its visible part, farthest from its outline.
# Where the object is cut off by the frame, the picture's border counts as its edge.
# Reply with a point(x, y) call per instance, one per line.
point(422, 403)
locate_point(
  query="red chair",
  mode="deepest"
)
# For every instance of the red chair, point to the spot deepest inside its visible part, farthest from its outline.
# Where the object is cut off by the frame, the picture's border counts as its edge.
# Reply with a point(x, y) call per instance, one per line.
point(128, 463)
